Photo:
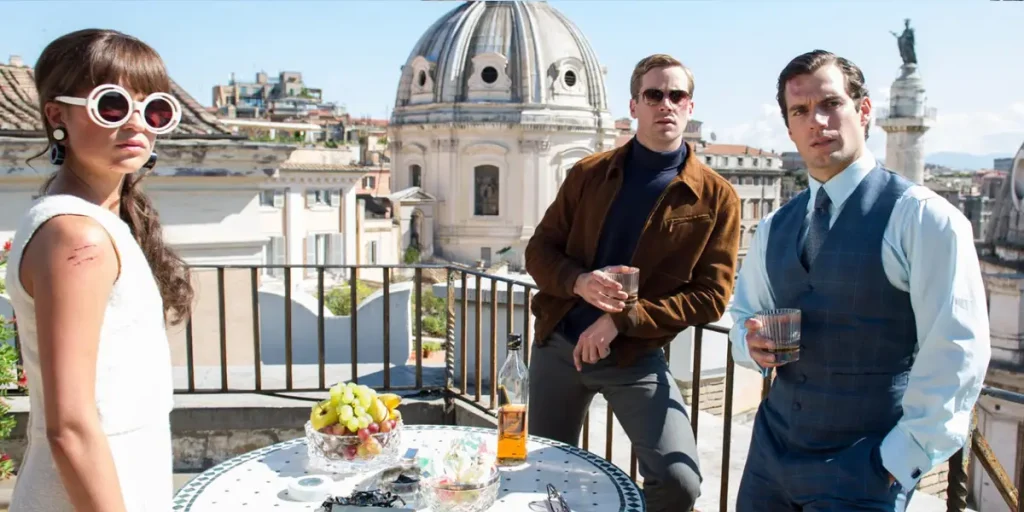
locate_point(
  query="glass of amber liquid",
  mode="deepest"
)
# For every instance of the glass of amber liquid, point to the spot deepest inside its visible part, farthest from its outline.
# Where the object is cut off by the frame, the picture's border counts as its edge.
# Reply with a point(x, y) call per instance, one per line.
point(782, 326)
point(513, 390)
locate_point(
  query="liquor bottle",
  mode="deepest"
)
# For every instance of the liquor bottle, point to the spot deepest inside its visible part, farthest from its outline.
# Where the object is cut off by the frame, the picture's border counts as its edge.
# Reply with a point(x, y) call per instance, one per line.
point(513, 391)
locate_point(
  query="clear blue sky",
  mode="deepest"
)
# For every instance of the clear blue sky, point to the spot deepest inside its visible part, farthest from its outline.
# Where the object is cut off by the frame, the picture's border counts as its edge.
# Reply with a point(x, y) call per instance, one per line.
point(969, 51)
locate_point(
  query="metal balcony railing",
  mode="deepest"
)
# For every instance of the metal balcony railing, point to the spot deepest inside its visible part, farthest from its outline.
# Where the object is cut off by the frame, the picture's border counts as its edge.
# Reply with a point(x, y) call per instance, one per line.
point(475, 391)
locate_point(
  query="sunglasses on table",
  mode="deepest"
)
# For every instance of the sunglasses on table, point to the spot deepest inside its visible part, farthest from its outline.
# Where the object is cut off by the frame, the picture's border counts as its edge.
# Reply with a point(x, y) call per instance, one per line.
point(556, 503)
point(656, 96)
point(110, 106)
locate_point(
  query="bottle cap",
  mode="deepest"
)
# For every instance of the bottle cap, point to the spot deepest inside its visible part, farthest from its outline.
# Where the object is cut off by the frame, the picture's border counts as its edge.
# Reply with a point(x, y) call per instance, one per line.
point(310, 488)
point(515, 341)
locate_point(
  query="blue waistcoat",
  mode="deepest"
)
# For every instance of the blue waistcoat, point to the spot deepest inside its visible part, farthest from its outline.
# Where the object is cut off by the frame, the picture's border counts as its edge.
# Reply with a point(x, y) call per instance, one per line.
point(858, 334)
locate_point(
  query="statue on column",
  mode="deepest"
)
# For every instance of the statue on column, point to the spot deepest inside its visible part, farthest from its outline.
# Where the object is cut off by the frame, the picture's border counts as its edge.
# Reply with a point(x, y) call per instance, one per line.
point(905, 41)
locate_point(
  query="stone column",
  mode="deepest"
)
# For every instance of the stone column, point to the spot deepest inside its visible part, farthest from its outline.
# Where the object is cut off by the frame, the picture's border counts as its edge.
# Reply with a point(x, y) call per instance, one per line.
point(905, 123)
point(295, 228)
point(534, 178)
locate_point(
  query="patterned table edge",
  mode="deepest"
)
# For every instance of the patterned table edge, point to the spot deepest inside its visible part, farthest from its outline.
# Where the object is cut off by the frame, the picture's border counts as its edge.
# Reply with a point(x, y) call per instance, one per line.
point(630, 499)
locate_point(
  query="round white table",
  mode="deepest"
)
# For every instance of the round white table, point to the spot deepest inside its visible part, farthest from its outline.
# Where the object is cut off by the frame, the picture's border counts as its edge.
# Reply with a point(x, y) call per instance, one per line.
point(258, 480)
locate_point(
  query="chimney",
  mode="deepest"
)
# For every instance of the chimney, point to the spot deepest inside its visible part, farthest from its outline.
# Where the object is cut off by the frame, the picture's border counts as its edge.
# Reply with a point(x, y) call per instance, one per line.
point(16, 61)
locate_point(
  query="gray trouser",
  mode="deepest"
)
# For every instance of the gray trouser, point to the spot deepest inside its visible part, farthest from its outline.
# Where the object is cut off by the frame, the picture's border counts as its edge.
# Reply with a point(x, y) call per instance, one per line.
point(644, 398)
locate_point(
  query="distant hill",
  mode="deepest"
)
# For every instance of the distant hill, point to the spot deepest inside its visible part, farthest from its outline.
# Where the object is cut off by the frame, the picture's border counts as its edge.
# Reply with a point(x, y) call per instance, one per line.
point(965, 161)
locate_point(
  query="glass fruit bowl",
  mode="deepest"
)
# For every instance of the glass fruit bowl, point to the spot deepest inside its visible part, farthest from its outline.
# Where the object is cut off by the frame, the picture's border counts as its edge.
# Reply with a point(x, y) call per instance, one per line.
point(345, 453)
point(441, 495)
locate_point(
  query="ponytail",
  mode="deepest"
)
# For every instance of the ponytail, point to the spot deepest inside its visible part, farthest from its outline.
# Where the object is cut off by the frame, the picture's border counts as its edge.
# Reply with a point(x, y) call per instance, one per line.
point(170, 272)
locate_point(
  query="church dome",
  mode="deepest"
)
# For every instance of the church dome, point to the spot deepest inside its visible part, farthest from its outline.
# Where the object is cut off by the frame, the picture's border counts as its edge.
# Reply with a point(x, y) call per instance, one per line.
point(501, 52)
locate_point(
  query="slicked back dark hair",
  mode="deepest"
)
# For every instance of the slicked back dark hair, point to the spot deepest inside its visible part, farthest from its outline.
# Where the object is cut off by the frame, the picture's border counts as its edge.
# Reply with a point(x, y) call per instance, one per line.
point(811, 62)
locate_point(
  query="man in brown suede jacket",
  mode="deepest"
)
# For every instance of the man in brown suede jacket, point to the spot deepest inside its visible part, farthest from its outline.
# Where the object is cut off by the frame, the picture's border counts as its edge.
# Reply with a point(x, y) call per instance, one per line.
point(653, 205)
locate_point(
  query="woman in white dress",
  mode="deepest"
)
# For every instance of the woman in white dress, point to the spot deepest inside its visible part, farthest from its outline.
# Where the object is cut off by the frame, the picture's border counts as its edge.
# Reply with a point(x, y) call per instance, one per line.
point(93, 285)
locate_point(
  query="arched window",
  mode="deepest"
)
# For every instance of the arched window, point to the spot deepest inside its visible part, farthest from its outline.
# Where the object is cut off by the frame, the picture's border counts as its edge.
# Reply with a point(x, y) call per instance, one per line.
point(415, 176)
point(485, 180)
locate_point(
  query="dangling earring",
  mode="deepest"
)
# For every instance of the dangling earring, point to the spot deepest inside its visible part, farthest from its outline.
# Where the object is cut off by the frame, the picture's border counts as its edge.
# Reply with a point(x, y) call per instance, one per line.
point(57, 150)
point(151, 162)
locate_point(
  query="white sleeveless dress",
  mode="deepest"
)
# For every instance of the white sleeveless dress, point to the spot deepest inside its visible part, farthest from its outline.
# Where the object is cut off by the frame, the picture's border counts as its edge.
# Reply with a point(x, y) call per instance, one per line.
point(134, 384)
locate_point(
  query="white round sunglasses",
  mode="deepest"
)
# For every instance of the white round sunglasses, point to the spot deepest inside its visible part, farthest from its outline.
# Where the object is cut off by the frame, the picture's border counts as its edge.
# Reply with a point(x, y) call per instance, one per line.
point(110, 106)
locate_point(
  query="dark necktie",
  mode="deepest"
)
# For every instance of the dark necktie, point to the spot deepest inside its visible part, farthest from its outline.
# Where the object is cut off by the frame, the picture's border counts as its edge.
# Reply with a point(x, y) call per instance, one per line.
point(818, 229)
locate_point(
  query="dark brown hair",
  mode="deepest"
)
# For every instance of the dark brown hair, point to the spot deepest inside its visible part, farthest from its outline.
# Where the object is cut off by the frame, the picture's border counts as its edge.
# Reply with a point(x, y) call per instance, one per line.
point(811, 62)
point(656, 61)
point(72, 65)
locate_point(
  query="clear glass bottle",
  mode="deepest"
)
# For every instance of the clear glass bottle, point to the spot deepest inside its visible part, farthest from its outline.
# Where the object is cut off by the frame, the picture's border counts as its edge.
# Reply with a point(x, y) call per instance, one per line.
point(513, 392)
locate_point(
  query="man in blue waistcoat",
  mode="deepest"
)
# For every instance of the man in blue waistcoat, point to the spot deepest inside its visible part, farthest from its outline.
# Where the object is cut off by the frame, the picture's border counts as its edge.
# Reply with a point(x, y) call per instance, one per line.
point(894, 329)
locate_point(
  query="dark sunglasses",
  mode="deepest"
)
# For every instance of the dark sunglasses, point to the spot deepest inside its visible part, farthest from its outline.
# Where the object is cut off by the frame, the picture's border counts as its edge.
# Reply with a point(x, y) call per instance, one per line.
point(656, 96)
point(555, 501)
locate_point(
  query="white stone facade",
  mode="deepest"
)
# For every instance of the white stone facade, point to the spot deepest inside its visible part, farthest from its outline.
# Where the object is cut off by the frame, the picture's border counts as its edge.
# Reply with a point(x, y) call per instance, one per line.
point(496, 103)
point(234, 203)
point(905, 123)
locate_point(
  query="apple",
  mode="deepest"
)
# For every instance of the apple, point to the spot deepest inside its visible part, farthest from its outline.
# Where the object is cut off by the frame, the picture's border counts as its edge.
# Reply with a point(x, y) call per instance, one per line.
point(323, 415)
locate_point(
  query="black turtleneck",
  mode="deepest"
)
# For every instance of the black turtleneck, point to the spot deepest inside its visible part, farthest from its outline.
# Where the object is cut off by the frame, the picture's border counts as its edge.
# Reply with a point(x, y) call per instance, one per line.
point(645, 176)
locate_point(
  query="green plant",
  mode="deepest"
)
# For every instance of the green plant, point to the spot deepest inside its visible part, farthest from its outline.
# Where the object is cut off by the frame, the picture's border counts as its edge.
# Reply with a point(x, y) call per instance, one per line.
point(429, 347)
point(10, 374)
point(411, 256)
point(3, 263)
point(435, 313)
point(338, 300)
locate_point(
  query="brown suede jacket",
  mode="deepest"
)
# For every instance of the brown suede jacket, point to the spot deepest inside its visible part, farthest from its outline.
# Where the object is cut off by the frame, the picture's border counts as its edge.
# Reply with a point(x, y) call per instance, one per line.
point(686, 254)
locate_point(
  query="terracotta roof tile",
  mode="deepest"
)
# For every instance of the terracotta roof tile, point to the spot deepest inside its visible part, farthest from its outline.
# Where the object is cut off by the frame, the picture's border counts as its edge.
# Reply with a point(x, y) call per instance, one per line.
point(19, 110)
point(736, 149)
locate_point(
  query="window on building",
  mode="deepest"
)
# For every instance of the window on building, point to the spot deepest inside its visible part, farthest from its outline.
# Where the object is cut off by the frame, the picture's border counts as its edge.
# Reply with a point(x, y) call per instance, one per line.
point(485, 178)
point(273, 254)
point(324, 249)
point(415, 176)
point(371, 252)
point(323, 197)
point(489, 75)
point(708, 160)
point(272, 198)
point(740, 161)
point(369, 182)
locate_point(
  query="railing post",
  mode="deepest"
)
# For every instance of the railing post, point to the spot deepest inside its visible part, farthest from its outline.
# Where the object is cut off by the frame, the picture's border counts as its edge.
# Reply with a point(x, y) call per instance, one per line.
point(321, 348)
point(353, 285)
point(449, 343)
point(698, 347)
point(418, 286)
point(256, 343)
point(959, 469)
point(387, 328)
point(223, 326)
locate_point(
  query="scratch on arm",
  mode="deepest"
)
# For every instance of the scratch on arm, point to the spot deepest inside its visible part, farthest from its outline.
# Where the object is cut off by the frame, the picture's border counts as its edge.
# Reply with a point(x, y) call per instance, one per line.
point(83, 254)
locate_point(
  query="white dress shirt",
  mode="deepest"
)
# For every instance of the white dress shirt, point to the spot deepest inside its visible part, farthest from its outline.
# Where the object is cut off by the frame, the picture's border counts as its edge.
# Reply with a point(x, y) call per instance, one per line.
point(928, 251)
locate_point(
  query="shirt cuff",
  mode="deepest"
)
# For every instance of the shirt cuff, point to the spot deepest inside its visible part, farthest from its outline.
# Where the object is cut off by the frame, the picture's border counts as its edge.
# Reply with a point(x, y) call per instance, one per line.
point(904, 458)
point(740, 353)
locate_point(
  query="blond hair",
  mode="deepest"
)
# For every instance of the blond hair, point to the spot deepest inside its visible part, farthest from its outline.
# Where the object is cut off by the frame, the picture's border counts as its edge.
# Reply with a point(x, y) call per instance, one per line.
point(656, 61)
